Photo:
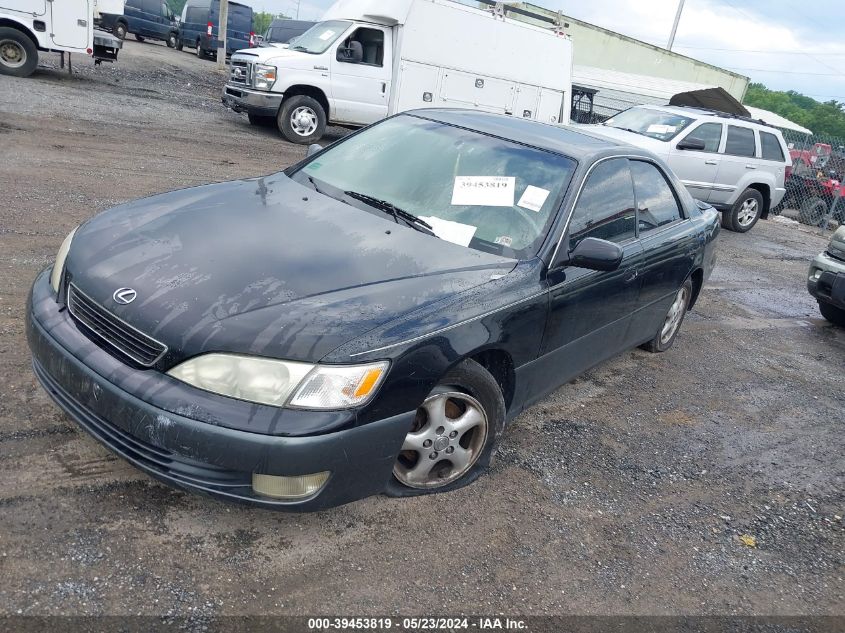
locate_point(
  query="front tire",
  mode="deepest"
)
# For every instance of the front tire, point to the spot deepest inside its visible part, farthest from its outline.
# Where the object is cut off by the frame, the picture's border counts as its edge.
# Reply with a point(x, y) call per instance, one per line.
point(18, 55)
point(832, 313)
point(172, 41)
point(665, 336)
point(120, 31)
point(302, 120)
point(745, 212)
point(454, 436)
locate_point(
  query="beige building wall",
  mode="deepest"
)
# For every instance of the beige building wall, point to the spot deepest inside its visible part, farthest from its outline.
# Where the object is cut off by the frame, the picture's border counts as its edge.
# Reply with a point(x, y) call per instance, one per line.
point(598, 47)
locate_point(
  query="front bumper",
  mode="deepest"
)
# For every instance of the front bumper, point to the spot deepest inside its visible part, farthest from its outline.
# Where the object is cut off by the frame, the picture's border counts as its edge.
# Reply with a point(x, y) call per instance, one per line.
point(826, 280)
point(258, 102)
point(193, 454)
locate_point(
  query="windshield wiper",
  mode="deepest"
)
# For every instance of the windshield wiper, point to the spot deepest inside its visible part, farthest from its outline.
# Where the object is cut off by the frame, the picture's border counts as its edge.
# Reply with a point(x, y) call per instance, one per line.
point(627, 129)
point(409, 218)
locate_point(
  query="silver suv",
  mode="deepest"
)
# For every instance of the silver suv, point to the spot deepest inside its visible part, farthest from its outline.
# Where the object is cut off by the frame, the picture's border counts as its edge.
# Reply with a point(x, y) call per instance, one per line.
point(736, 164)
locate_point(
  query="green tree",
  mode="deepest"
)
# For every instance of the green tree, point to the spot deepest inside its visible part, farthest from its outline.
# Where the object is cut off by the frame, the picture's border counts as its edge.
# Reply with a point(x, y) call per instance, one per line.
point(176, 6)
point(826, 118)
point(261, 21)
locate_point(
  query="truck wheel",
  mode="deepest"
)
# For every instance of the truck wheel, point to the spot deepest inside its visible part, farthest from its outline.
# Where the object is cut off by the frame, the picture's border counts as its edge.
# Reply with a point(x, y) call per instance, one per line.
point(302, 120)
point(745, 212)
point(171, 40)
point(200, 52)
point(140, 38)
point(120, 31)
point(179, 44)
point(832, 313)
point(18, 55)
point(812, 211)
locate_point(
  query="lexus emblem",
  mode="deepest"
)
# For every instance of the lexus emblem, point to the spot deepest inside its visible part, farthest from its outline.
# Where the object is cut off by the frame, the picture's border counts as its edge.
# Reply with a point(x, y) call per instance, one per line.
point(124, 296)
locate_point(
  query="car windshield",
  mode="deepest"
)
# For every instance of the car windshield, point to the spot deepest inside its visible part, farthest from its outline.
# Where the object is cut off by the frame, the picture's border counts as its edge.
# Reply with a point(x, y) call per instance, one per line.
point(320, 36)
point(472, 189)
point(664, 126)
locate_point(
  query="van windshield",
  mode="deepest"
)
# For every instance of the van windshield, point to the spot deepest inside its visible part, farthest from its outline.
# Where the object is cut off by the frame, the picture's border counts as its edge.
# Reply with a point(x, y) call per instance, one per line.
point(320, 36)
point(664, 126)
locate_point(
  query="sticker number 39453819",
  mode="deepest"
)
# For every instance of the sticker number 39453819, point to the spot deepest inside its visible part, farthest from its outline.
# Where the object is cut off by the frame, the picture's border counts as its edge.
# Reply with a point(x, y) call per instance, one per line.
point(485, 191)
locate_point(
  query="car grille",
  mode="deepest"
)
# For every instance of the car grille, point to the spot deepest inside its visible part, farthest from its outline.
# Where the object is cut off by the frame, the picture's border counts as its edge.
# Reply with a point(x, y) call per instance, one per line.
point(240, 72)
point(132, 343)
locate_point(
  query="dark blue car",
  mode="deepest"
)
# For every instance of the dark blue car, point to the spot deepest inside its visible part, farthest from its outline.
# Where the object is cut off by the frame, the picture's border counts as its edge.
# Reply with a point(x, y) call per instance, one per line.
point(145, 19)
point(201, 22)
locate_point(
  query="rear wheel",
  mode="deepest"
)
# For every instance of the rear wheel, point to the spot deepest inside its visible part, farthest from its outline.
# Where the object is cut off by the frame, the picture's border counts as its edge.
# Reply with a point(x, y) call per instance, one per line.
point(812, 211)
point(454, 434)
point(832, 313)
point(200, 52)
point(140, 38)
point(745, 212)
point(18, 55)
point(172, 40)
point(120, 30)
point(665, 337)
point(302, 120)
point(179, 44)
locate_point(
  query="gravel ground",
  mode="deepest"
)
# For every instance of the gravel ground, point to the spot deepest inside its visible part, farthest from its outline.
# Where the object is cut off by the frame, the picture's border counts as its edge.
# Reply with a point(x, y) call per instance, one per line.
point(628, 491)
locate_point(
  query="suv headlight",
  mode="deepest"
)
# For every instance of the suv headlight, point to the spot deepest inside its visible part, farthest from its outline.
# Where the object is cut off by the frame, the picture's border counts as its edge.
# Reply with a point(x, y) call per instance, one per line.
point(280, 383)
point(59, 265)
point(263, 76)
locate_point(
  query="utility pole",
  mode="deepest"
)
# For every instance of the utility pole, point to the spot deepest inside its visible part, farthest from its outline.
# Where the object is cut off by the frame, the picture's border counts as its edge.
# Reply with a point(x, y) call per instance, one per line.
point(222, 32)
point(675, 25)
point(297, 8)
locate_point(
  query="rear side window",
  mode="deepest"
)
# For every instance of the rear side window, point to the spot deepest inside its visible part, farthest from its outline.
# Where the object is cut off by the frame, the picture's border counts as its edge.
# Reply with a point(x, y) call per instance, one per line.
point(710, 133)
point(656, 202)
point(770, 146)
point(196, 15)
point(605, 208)
point(740, 141)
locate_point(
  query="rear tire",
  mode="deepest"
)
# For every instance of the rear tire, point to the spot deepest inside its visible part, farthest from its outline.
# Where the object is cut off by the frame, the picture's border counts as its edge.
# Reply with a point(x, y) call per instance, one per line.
point(832, 313)
point(140, 38)
point(200, 52)
point(665, 336)
point(301, 120)
point(745, 212)
point(120, 31)
point(454, 435)
point(179, 44)
point(172, 41)
point(812, 211)
point(18, 54)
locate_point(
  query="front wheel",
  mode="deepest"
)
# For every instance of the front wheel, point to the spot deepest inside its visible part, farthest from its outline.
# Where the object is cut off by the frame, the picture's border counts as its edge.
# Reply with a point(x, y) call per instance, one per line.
point(745, 212)
point(120, 31)
point(301, 120)
point(665, 337)
point(172, 41)
point(18, 55)
point(832, 313)
point(454, 434)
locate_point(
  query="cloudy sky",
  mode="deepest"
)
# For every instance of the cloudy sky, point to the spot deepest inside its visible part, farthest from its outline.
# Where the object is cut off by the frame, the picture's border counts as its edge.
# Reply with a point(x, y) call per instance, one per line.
point(787, 45)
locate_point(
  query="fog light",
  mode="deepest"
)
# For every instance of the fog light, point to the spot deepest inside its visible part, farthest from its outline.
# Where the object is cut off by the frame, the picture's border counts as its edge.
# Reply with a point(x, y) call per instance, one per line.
point(291, 488)
point(816, 274)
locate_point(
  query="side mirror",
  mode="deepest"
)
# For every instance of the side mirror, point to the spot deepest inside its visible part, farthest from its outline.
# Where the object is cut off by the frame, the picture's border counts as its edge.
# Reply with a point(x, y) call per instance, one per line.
point(351, 54)
point(313, 149)
point(694, 144)
point(596, 254)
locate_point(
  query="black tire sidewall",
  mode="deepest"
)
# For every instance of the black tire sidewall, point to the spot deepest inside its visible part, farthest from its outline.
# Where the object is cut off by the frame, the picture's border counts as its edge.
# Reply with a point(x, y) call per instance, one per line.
point(471, 378)
point(172, 41)
point(140, 38)
point(199, 49)
point(29, 48)
point(283, 119)
point(655, 344)
point(734, 212)
point(120, 31)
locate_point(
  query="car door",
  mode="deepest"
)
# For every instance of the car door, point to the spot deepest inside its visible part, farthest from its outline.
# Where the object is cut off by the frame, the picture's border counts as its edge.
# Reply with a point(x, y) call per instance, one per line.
point(697, 168)
point(669, 244)
point(737, 159)
point(361, 90)
point(590, 311)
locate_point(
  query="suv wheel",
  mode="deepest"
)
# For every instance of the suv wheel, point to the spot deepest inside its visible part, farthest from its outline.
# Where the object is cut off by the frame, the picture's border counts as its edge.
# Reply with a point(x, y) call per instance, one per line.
point(745, 212)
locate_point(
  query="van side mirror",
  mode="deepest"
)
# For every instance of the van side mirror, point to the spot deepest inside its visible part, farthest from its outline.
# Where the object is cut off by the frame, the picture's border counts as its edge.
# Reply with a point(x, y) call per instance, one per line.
point(313, 149)
point(595, 254)
point(694, 144)
point(351, 54)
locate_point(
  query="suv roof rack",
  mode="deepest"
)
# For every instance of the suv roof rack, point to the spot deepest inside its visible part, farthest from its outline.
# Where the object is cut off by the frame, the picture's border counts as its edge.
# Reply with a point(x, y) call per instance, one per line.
point(501, 9)
point(726, 115)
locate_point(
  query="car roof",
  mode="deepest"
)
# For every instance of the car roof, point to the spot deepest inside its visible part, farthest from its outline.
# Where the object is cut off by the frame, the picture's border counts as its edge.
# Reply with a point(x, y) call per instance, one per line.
point(292, 23)
point(561, 139)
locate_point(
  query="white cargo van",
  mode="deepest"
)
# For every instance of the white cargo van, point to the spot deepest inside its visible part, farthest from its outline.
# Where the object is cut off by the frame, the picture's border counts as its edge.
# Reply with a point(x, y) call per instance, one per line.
point(369, 59)
point(62, 26)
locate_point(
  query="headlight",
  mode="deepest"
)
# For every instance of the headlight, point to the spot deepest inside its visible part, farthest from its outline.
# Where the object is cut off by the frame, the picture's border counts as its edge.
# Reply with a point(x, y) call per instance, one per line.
point(59, 265)
point(281, 383)
point(263, 76)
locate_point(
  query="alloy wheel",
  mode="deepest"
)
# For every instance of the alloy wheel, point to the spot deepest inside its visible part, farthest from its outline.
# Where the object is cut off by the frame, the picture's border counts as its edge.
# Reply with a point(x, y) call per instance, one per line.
point(747, 212)
point(448, 436)
point(304, 121)
point(675, 316)
point(12, 54)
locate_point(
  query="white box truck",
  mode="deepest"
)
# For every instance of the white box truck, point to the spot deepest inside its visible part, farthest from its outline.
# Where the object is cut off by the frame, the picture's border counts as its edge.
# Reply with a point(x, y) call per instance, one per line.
point(62, 26)
point(368, 59)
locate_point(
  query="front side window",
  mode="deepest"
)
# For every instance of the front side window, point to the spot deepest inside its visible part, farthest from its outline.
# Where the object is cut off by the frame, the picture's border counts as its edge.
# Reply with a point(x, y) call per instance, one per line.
point(710, 134)
point(664, 126)
point(319, 37)
point(372, 41)
point(770, 147)
point(657, 205)
point(740, 141)
point(605, 208)
point(476, 190)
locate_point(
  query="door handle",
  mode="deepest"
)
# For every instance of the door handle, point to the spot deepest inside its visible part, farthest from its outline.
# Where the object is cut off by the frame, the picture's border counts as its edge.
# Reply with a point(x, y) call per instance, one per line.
point(383, 87)
point(751, 167)
point(631, 276)
point(711, 162)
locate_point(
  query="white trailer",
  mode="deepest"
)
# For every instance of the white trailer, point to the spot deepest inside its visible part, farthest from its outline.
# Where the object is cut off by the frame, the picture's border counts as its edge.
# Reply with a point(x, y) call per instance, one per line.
point(61, 26)
point(369, 59)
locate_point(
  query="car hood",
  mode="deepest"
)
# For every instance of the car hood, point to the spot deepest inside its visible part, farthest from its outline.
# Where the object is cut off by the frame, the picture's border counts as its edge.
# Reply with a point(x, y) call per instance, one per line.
point(661, 148)
point(274, 53)
point(264, 266)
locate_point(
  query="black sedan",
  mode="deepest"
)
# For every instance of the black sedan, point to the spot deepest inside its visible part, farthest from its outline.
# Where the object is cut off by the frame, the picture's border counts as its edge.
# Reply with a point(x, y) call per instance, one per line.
point(370, 319)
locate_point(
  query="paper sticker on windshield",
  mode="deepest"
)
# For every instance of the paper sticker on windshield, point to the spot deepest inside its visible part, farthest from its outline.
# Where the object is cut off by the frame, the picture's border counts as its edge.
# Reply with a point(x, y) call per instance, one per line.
point(504, 240)
point(657, 128)
point(484, 191)
point(533, 198)
point(327, 35)
point(454, 232)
